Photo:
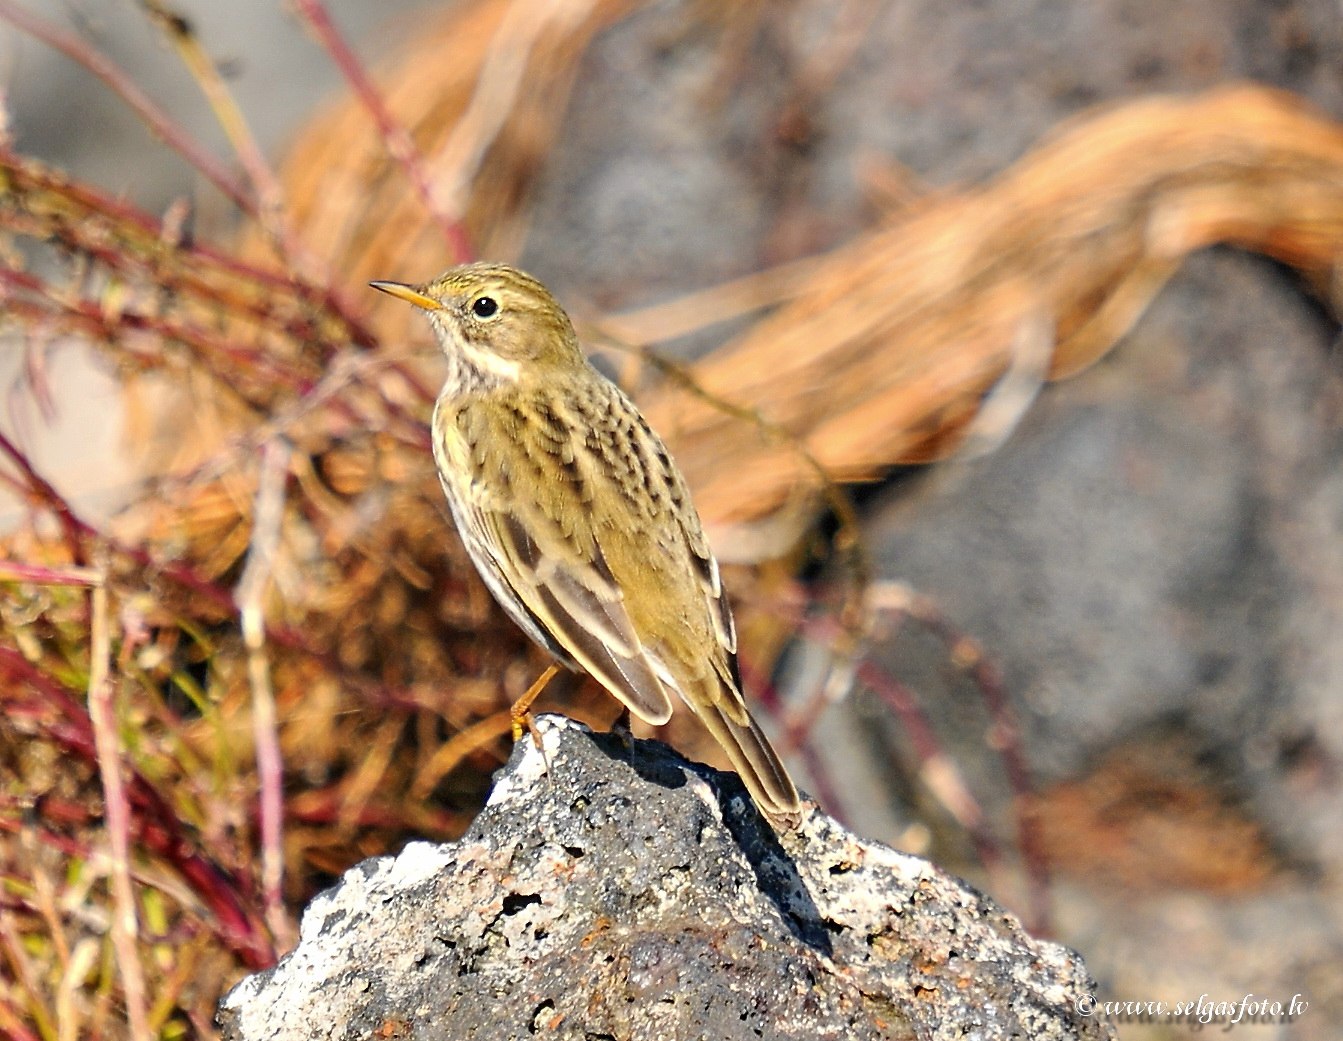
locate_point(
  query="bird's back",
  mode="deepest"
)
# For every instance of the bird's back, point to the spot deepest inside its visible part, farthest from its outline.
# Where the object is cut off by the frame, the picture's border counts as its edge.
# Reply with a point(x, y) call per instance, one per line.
point(573, 496)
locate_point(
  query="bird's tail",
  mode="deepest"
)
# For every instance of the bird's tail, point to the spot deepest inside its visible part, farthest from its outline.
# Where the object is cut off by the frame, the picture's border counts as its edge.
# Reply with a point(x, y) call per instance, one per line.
point(753, 758)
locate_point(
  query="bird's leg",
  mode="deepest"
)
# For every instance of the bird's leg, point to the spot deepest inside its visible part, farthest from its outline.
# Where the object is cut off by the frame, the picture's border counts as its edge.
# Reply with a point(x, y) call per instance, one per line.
point(621, 728)
point(520, 715)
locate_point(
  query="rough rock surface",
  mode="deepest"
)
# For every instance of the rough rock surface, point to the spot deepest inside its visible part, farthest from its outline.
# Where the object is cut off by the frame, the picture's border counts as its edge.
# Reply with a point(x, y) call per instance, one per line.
point(622, 892)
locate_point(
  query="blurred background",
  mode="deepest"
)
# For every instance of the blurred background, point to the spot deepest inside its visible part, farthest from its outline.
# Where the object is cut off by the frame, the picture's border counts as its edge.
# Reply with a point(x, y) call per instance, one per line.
point(1075, 640)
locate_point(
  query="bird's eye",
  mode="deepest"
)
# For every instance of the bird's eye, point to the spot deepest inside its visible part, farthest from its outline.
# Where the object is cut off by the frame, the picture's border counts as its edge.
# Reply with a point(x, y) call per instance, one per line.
point(484, 307)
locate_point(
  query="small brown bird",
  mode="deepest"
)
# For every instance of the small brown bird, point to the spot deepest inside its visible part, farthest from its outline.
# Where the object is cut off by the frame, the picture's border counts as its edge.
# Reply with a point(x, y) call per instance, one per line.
point(577, 519)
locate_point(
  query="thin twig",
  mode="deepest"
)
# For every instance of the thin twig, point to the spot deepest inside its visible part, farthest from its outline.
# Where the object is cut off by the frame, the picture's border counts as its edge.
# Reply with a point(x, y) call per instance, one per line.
point(270, 196)
point(267, 514)
point(45, 494)
point(77, 531)
point(161, 124)
point(1005, 738)
point(26, 981)
point(46, 204)
point(39, 574)
point(270, 210)
point(183, 574)
point(103, 326)
point(102, 713)
point(158, 121)
point(936, 768)
point(348, 369)
point(227, 358)
point(448, 756)
point(67, 723)
point(399, 144)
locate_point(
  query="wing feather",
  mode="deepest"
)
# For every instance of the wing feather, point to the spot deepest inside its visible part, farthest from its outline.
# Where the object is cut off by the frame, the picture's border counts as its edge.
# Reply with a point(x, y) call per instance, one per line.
point(574, 601)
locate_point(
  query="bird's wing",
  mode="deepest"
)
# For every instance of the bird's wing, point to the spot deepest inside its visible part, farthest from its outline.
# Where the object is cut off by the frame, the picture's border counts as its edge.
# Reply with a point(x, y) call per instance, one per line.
point(726, 692)
point(531, 536)
point(716, 696)
point(711, 582)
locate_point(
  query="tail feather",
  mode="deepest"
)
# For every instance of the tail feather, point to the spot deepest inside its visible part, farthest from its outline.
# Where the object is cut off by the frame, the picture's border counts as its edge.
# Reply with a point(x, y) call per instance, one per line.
point(755, 762)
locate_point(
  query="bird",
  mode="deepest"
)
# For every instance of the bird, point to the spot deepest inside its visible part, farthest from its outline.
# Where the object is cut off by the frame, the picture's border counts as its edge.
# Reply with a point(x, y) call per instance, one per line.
point(578, 520)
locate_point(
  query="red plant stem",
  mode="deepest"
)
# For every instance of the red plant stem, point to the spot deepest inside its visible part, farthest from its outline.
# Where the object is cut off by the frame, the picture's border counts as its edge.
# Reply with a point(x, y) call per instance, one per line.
point(269, 209)
point(159, 122)
point(927, 749)
point(298, 327)
point(96, 322)
point(41, 575)
point(902, 703)
point(1006, 738)
point(914, 723)
point(394, 135)
point(186, 576)
point(183, 574)
point(327, 806)
point(78, 531)
point(31, 174)
point(64, 812)
point(101, 325)
point(12, 1027)
point(192, 580)
point(163, 126)
point(157, 825)
point(42, 490)
point(91, 319)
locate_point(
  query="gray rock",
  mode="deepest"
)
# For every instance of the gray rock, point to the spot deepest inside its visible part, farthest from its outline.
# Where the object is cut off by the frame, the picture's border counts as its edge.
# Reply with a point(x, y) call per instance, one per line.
point(610, 890)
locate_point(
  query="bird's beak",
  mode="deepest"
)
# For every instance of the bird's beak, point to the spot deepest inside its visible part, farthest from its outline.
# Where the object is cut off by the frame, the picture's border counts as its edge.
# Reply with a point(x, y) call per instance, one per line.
point(408, 293)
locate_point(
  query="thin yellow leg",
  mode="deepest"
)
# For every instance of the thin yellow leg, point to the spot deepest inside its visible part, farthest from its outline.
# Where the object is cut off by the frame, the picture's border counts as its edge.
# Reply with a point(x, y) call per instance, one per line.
point(520, 714)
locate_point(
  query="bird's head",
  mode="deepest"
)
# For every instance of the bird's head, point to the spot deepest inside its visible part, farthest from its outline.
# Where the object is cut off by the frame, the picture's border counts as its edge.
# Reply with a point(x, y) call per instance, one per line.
point(496, 318)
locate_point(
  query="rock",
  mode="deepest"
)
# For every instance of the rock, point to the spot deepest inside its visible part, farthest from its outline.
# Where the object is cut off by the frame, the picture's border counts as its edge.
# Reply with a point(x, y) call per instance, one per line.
point(615, 890)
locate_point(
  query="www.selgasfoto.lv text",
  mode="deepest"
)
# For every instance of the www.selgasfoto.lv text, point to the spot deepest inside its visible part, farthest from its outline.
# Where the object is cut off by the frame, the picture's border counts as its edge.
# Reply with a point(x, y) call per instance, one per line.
point(1202, 1011)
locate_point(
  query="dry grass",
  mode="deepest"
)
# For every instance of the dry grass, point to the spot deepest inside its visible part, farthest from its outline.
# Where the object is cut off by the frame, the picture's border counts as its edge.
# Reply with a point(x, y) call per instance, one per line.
point(888, 347)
